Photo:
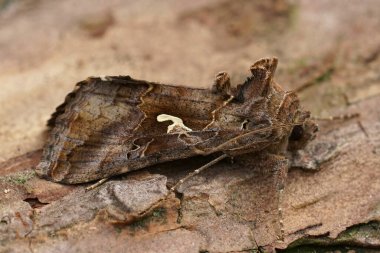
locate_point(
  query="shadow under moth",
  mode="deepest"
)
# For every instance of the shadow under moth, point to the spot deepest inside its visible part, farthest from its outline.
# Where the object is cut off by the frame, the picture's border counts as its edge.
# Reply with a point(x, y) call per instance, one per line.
point(113, 125)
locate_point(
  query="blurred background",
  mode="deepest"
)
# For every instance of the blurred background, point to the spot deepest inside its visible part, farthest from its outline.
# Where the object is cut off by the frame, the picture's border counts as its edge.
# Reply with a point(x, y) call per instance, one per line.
point(46, 46)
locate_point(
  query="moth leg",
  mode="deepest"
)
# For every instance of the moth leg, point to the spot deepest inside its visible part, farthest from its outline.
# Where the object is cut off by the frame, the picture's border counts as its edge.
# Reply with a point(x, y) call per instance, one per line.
point(97, 184)
point(196, 172)
point(280, 171)
point(269, 172)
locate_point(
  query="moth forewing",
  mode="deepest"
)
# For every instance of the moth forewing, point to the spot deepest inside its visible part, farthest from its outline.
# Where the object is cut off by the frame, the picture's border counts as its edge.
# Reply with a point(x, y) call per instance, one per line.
point(112, 126)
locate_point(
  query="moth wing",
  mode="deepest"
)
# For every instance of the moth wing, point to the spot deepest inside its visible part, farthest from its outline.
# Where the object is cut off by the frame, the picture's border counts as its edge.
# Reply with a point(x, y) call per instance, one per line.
point(98, 117)
point(108, 127)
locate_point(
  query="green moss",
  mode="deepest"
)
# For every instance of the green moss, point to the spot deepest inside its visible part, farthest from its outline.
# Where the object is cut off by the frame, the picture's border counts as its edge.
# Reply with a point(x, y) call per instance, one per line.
point(20, 178)
point(158, 215)
point(140, 224)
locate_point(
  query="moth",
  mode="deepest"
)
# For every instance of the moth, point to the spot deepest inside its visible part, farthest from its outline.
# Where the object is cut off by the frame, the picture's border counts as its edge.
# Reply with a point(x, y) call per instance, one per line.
point(113, 125)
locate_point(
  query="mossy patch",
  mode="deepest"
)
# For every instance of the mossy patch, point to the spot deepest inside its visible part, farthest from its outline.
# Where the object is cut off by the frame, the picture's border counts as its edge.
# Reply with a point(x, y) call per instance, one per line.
point(20, 178)
point(158, 215)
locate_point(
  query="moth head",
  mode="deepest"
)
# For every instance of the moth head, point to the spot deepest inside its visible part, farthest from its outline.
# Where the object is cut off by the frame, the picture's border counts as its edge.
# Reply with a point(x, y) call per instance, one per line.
point(302, 133)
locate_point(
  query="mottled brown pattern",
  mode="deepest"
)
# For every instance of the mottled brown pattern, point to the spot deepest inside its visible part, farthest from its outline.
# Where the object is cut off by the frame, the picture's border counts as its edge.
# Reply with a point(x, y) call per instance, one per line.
point(108, 126)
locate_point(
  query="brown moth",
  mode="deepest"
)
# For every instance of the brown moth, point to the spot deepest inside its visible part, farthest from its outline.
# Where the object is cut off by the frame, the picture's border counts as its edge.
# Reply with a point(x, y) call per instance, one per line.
point(113, 125)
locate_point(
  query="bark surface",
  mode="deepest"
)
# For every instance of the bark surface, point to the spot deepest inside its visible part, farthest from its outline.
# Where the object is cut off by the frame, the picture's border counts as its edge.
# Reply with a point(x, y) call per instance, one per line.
point(47, 46)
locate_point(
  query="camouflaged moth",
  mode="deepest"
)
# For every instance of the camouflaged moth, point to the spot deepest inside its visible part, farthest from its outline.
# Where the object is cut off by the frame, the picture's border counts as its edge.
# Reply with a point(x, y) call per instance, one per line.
point(113, 125)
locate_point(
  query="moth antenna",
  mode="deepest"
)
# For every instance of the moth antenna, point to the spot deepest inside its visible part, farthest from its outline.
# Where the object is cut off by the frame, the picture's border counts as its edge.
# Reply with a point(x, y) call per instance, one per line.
point(258, 84)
